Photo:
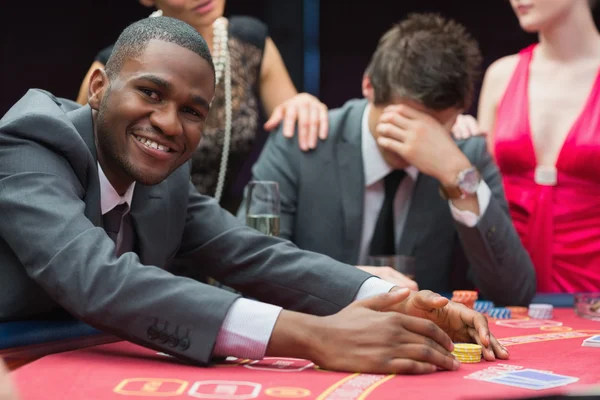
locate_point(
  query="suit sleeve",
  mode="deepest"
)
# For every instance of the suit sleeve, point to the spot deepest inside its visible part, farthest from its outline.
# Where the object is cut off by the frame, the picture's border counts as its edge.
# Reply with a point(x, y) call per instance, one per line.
point(74, 262)
point(499, 264)
point(279, 162)
point(266, 268)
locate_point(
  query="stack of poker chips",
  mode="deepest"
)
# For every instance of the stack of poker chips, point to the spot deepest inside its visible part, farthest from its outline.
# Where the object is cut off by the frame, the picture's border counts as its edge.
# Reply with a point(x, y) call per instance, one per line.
point(540, 311)
point(466, 297)
point(518, 311)
point(467, 353)
point(484, 306)
point(500, 313)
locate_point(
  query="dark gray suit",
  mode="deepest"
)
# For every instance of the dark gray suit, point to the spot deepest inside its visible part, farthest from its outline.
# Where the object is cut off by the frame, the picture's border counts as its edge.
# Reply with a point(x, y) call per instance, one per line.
point(322, 204)
point(54, 252)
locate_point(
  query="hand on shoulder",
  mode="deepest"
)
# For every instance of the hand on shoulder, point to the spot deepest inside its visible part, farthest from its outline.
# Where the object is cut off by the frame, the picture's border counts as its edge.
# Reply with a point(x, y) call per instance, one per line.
point(310, 115)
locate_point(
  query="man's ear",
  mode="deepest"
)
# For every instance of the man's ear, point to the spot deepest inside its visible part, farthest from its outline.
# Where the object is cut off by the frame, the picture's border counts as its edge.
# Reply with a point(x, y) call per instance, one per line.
point(367, 88)
point(147, 3)
point(98, 85)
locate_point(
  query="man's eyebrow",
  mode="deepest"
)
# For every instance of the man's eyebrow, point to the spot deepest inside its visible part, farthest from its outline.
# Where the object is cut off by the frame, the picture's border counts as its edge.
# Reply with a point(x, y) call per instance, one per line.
point(201, 101)
point(168, 86)
point(157, 81)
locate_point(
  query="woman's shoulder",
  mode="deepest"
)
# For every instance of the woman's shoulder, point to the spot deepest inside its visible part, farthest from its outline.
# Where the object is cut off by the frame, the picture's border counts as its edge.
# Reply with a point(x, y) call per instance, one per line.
point(503, 67)
point(498, 75)
point(249, 29)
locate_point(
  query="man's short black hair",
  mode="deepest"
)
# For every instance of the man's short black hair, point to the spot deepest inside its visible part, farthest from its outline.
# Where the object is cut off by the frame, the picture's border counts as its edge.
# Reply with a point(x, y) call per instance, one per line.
point(134, 39)
point(426, 58)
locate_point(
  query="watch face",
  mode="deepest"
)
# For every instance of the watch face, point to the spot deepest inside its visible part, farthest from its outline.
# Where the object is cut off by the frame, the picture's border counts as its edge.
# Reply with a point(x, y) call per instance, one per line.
point(470, 181)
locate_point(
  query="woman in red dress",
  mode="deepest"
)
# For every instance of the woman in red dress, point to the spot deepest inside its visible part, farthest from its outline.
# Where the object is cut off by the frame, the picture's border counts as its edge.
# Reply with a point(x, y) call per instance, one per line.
point(541, 108)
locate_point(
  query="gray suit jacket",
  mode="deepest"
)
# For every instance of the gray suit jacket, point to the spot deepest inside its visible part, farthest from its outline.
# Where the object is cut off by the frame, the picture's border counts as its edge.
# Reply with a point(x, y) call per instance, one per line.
point(322, 203)
point(54, 252)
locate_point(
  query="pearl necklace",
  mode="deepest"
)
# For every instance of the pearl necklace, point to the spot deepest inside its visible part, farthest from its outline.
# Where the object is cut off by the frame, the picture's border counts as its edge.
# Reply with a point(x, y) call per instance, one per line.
point(222, 63)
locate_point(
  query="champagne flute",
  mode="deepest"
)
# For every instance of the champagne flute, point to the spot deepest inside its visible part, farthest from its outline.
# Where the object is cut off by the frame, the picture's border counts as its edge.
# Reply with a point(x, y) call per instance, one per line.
point(406, 265)
point(263, 207)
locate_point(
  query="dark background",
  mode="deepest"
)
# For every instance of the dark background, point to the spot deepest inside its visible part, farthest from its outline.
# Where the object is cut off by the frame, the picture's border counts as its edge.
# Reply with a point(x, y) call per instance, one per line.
point(51, 44)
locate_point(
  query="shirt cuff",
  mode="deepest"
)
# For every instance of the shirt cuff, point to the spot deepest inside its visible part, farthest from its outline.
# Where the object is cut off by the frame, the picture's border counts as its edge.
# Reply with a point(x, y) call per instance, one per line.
point(372, 287)
point(469, 218)
point(246, 331)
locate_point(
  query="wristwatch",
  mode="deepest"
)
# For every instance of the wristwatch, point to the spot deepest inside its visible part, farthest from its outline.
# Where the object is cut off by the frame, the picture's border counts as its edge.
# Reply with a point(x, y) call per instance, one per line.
point(467, 182)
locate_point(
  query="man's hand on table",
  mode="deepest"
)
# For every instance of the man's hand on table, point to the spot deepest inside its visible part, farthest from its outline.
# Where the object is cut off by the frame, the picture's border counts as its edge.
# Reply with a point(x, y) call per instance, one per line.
point(460, 322)
point(391, 275)
point(363, 337)
point(399, 332)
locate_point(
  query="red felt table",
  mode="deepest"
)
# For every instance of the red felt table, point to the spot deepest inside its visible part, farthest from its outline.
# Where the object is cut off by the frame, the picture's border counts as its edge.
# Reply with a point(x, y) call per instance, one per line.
point(120, 370)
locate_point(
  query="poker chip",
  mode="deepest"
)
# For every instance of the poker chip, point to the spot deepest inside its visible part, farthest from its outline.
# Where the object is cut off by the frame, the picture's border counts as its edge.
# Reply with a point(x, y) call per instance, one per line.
point(473, 360)
point(500, 313)
point(540, 311)
point(466, 297)
point(467, 359)
point(467, 348)
point(467, 353)
point(518, 310)
point(484, 306)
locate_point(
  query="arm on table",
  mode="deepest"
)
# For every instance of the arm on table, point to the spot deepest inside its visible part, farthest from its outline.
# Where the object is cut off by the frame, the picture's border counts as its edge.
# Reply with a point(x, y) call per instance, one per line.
point(395, 332)
point(249, 324)
point(364, 337)
point(499, 263)
point(73, 261)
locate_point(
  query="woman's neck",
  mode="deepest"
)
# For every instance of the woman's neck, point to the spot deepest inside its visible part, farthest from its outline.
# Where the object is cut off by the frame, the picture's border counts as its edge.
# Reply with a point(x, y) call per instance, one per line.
point(571, 38)
point(208, 35)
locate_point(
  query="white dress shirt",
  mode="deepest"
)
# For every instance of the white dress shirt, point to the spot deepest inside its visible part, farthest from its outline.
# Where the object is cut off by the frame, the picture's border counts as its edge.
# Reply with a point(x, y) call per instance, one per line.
point(109, 198)
point(248, 325)
point(375, 169)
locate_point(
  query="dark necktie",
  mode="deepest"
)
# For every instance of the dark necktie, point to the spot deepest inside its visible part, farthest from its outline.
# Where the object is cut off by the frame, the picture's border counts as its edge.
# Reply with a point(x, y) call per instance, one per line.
point(383, 242)
point(118, 226)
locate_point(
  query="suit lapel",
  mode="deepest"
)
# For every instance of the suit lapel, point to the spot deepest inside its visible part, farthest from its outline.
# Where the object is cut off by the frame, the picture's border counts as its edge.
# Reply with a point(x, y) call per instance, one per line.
point(82, 121)
point(421, 214)
point(148, 208)
point(428, 234)
point(351, 178)
point(149, 213)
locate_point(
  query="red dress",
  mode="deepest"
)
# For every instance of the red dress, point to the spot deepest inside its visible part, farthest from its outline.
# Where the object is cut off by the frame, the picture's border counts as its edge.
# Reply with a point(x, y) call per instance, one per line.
point(558, 224)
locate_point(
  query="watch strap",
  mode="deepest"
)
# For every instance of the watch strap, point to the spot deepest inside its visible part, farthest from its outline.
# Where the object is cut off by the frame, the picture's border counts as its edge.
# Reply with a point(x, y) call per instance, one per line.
point(451, 192)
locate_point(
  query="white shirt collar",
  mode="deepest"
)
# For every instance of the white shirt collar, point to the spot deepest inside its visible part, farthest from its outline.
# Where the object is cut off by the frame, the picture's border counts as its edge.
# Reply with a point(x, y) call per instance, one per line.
point(109, 198)
point(374, 166)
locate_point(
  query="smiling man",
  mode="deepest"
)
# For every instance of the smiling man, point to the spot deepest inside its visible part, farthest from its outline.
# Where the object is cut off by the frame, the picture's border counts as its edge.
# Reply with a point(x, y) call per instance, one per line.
point(141, 140)
point(97, 204)
point(391, 181)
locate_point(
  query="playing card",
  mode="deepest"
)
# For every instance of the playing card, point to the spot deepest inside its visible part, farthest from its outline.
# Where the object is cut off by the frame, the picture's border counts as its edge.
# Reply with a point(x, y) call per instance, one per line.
point(505, 380)
point(593, 341)
point(532, 379)
point(541, 376)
